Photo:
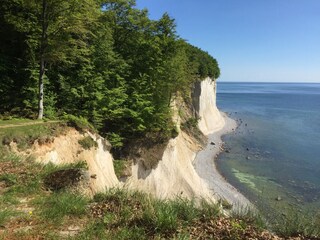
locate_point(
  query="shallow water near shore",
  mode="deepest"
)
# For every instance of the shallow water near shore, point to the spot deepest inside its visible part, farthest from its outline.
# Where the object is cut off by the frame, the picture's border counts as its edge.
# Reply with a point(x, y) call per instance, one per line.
point(273, 157)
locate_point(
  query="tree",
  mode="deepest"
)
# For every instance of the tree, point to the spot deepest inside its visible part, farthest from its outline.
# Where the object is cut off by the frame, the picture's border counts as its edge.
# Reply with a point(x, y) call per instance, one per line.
point(16, 91)
point(57, 31)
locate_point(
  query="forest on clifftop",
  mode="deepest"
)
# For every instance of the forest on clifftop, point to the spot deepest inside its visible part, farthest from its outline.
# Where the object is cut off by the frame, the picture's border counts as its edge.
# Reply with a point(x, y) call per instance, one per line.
point(104, 61)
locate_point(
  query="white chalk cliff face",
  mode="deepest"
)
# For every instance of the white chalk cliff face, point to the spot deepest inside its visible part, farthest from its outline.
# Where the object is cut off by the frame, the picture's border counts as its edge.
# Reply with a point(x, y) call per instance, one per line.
point(101, 164)
point(175, 174)
point(211, 119)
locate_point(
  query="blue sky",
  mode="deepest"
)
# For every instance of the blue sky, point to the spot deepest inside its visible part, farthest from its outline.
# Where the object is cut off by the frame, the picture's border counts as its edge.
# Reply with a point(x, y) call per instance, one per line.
point(253, 40)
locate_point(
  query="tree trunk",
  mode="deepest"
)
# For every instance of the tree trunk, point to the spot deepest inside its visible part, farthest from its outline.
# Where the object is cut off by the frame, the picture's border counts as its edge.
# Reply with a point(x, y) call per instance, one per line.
point(42, 60)
point(41, 75)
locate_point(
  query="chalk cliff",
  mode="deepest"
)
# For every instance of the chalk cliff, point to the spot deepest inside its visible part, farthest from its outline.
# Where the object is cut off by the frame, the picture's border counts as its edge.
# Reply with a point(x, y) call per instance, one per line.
point(174, 175)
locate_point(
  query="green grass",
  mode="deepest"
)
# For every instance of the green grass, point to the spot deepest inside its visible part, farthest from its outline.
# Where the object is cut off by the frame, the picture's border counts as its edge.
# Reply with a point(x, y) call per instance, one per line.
point(55, 207)
point(186, 210)
point(135, 215)
point(5, 215)
point(161, 218)
point(18, 121)
point(209, 210)
point(25, 136)
point(9, 179)
point(8, 199)
point(249, 216)
point(94, 230)
point(294, 223)
point(22, 179)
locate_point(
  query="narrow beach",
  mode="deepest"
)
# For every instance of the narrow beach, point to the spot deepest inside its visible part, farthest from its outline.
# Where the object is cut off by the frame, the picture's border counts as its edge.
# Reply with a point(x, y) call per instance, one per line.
point(206, 168)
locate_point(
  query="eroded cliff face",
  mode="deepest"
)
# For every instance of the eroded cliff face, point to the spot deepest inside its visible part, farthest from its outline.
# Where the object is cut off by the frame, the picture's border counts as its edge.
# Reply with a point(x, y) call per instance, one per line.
point(175, 174)
point(66, 149)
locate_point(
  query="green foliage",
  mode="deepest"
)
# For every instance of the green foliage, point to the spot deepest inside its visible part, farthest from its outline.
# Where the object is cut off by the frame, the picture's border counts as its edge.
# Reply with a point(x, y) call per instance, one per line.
point(113, 66)
point(190, 123)
point(202, 64)
point(88, 142)
point(48, 32)
point(115, 139)
point(9, 198)
point(28, 185)
point(174, 132)
point(119, 167)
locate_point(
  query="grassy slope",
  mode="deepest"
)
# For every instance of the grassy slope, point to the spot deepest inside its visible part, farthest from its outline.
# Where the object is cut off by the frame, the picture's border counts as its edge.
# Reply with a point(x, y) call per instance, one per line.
point(29, 211)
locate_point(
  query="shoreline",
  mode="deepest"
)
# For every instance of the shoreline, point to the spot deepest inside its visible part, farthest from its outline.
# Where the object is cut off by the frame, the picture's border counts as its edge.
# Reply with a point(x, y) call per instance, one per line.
point(205, 166)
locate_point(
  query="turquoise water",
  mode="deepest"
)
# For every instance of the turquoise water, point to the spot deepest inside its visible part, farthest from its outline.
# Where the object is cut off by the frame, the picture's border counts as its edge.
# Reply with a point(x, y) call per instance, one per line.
point(274, 156)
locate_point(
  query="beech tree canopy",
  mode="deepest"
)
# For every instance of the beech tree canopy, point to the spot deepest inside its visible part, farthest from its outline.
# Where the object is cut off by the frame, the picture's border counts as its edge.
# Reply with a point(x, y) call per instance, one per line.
point(105, 61)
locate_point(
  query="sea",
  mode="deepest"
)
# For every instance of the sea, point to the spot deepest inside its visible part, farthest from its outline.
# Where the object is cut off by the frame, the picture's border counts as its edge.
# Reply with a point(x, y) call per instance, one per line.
point(273, 156)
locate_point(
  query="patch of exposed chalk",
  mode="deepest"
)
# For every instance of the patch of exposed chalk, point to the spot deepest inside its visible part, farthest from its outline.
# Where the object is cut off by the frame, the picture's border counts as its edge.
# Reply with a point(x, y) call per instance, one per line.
point(210, 117)
point(174, 176)
point(65, 149)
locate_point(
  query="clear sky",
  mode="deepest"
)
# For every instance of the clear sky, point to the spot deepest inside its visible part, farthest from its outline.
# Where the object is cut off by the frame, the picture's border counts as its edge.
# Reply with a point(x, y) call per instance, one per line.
point(253, 40)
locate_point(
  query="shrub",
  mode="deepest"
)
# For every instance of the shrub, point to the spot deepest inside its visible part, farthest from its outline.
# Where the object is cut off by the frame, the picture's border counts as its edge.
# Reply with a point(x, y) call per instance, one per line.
point(120, 167)
point(190, 123)
point(50, 167)
point(79, 123)
point(87, 143)
point(115, 139)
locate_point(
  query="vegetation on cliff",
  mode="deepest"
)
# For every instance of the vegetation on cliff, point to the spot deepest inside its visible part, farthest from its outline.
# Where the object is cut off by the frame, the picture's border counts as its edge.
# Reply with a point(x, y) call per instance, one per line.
point(105, 61)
